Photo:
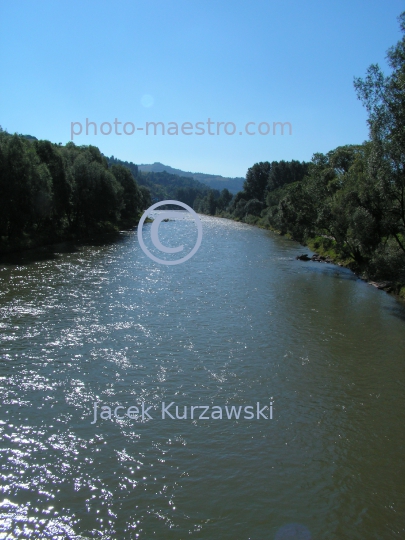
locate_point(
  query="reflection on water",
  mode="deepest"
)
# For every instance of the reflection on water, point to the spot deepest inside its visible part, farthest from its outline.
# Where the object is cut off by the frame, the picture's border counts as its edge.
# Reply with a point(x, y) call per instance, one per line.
point(241, 322)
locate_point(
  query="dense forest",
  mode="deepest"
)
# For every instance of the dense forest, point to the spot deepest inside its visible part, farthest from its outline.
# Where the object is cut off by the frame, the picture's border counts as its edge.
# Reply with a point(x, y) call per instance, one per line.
point(52, 192)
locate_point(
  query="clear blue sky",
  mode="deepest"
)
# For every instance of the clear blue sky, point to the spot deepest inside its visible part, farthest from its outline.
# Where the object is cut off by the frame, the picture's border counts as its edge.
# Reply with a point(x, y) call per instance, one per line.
point(230, 61)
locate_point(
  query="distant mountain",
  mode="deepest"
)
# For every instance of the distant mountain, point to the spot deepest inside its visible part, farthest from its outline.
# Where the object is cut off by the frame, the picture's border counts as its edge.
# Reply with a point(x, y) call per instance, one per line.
point(165, 186)
point(214, 181)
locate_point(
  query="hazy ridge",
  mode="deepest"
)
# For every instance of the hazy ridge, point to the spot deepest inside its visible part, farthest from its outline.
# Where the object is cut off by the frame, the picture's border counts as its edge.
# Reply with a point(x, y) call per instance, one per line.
point(214, 181)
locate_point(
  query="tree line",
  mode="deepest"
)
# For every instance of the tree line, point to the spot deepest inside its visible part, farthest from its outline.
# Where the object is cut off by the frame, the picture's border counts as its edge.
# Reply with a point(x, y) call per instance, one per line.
point(52, 192)
point(350, 202)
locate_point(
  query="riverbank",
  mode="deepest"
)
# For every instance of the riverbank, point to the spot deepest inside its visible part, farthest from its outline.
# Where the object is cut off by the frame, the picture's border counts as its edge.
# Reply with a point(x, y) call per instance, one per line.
point(324, 252)
point(50, 250)
point(50, 238)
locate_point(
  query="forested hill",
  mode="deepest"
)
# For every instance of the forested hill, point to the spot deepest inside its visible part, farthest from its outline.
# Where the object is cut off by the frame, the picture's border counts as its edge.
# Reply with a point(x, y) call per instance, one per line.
point(213, 181)
point(164, 186)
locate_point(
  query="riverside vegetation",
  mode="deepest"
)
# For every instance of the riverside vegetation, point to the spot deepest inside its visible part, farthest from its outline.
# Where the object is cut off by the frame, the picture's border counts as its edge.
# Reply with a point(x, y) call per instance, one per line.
point(52, 193)
point(347, 204)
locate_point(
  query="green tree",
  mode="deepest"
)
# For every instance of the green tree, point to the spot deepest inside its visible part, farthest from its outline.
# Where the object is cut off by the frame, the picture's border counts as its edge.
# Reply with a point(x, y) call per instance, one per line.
point(224, 199)
point(26, 186)
point(50, 155)
point(146, 199)
point(384, 99)
point(131, 195)
point(257, 177)
point(98, 196)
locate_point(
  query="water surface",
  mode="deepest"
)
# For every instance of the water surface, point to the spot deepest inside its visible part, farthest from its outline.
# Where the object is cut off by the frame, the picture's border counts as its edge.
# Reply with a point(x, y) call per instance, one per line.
point(241, 322)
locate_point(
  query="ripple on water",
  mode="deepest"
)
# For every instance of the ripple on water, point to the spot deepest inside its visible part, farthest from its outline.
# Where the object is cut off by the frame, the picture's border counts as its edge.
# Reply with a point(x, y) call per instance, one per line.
point(241, 322)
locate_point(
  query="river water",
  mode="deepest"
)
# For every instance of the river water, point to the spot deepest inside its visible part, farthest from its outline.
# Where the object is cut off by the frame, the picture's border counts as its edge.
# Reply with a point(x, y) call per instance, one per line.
point(240, 323)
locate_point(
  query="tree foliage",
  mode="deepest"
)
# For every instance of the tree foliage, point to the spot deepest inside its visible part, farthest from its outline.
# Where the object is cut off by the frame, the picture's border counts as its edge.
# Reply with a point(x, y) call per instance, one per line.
point(384, 99)
point(53, 192)
point(351, 199)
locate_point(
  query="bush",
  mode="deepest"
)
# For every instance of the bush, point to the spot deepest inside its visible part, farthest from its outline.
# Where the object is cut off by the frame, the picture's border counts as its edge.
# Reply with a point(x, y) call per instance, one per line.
point(388, 262)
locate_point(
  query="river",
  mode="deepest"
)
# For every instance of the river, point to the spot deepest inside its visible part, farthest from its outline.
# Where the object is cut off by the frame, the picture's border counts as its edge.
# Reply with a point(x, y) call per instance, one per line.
point(240, 323)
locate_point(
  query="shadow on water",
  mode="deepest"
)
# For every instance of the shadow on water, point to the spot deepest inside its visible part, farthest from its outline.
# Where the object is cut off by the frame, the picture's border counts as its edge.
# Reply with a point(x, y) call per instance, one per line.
point(53, 251)
point(330, 270)
point(341, 273)
point(397, 311)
